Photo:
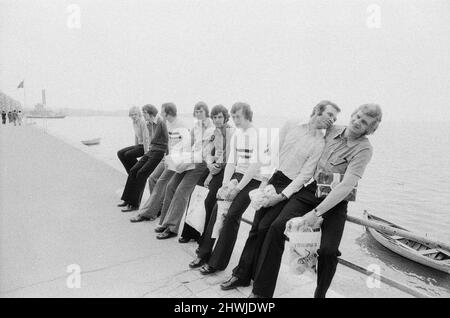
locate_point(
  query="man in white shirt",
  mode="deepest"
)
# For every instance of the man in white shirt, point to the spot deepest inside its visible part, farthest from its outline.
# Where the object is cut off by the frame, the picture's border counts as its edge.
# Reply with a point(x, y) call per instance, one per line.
point(301, 145)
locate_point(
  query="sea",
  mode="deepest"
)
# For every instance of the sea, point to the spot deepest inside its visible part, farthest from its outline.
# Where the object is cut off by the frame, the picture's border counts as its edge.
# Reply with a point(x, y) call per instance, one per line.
point(407, 182)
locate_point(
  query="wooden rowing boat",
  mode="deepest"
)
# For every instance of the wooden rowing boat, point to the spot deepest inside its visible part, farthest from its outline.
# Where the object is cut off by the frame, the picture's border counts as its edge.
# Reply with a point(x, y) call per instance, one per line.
point(91, 142)
point(420, 252)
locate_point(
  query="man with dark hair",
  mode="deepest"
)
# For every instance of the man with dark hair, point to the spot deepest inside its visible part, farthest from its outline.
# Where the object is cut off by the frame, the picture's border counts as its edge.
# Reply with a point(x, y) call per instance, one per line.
point(347, 152)
point(300, 147)
point(132, 194)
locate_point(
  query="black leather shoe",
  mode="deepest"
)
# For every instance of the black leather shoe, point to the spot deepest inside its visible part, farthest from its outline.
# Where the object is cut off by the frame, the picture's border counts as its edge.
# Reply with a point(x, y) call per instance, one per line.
point(206, 269)
point(160, 229)
point(130, 208)
point(121, 205)
point(196, 263)
point(166, 235)
point(139, 218)
point(183, 240)
point(232, 283)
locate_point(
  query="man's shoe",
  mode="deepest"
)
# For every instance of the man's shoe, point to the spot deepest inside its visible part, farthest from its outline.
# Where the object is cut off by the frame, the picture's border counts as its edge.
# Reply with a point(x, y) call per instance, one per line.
point(139, 218)
point(196, 263)
point(166, 235)
point(160, 229)
point(183, 240)
point(232, 283)
point(121, 205)
point(130, 208)
point(206, 269)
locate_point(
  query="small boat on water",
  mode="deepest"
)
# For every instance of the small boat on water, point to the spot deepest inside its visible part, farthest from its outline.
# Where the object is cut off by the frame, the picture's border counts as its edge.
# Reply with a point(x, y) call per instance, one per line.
point(91, 142)
point(420, 252)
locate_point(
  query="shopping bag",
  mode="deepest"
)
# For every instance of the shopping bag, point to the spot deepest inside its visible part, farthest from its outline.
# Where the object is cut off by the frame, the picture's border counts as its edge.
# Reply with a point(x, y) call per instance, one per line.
point(260, 197)
point(304, 242)
point(196, 214)
point(222, 209)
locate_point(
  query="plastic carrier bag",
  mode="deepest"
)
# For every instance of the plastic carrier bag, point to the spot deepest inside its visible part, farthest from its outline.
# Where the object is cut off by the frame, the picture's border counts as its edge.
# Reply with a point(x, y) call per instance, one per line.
point(302, 249)
point(222, 209)
point(196, 214)
point(260, 197)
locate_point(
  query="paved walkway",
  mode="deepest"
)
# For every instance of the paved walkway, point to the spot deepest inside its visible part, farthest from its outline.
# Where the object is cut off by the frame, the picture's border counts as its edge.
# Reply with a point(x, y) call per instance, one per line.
point(58, 214)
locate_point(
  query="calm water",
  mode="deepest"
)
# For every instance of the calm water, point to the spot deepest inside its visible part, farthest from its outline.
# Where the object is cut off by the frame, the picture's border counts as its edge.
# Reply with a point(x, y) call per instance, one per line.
point(407, 182)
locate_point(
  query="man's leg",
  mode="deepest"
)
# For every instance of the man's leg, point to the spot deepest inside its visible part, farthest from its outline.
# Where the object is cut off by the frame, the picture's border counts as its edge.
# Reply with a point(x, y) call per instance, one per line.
point(181, 196)
point(123, 159)
point(207, 242)
point(132, 154)
point(154, 203)
point(155, 176)
point(211, 199)
point(130, 186)
point(332, 230)
point(269, 259)
point(154, 157)
point(228, 234)
point(171, 188)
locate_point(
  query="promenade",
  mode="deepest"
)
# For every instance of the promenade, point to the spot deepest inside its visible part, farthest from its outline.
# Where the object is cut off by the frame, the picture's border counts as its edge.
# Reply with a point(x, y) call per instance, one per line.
point(58, 214)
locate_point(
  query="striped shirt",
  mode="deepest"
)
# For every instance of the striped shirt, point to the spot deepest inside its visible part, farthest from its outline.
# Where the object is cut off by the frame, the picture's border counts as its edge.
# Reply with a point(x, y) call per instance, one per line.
point(244, 150)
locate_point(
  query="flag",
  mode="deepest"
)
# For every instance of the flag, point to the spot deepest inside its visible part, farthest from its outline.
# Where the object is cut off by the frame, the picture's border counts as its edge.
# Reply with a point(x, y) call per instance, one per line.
point(20, 85)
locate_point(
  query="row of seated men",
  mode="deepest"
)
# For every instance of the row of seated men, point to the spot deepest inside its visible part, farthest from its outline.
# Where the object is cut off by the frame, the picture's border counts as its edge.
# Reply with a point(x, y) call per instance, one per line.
point(213, 153)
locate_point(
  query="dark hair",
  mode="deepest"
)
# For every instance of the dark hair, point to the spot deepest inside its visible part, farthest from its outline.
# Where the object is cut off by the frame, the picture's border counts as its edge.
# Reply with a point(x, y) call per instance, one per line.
point(150, 109)
point(202, 105)
point(246, 110)
point(220, 109)
point(319, 108)
point(169, 109)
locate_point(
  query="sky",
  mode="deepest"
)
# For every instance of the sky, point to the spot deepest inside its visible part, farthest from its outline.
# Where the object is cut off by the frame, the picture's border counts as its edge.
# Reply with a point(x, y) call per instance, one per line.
point(282, 57)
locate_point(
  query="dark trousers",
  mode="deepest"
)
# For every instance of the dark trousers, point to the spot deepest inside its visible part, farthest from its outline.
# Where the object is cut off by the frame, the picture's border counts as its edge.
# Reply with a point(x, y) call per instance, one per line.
point(128, 156)
point(188, 231)
point(269, 260)
point(261, 223)
point(221, 254)
point(3, 120)
point(132, 194)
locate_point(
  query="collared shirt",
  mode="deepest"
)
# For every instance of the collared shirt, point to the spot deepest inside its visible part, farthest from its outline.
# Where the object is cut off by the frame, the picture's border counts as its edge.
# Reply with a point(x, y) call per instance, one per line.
point(300, 150)
point(141, 133)
point(200, 137)
point(151, 125)
point(219, 144)
point(342, 155)
point(244, 150)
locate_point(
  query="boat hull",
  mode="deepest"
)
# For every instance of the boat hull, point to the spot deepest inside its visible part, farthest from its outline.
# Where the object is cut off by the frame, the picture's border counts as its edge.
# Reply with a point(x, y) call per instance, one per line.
point(404, 247)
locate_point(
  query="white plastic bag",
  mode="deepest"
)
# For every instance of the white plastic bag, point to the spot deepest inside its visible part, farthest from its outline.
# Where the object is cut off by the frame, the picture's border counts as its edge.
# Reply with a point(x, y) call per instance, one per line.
point(222, 209)
point(303, 245)
point(196, 214)
point(260, 197)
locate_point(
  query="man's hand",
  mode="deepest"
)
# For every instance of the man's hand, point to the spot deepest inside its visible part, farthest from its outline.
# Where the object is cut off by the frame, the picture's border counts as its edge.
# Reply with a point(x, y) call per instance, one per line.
point(308, 220)
point(214, 168)
point(208, 180)
point(232, 194)
point(274, 200)
point(312, 220)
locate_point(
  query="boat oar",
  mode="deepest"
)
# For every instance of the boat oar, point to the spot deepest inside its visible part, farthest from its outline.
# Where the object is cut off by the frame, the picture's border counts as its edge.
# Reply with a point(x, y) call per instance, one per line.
point(395, 231)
